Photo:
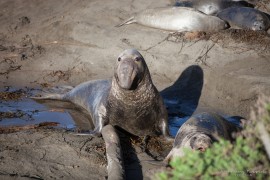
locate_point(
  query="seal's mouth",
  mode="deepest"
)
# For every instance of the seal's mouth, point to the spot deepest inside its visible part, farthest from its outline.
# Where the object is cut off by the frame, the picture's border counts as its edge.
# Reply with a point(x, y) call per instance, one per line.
point(258, 26)
point(128, 75)
point(200, 142)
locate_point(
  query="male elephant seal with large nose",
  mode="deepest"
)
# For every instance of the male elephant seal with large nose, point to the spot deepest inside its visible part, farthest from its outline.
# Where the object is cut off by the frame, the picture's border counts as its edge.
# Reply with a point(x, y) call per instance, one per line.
point(200, 131)
point(130, 100)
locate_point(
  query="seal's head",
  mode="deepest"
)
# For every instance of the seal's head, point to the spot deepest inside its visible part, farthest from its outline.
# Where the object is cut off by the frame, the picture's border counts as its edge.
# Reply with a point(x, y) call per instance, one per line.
point(259, 25)
point(200, 142)
point(130, 69)
point(195, 141)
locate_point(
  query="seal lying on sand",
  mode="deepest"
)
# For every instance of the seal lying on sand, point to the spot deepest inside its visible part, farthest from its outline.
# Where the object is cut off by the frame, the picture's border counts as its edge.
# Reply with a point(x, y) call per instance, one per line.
point(177, 19)
point(245, 18)
point(130, 100)
point(212, 7)
point(199, 132)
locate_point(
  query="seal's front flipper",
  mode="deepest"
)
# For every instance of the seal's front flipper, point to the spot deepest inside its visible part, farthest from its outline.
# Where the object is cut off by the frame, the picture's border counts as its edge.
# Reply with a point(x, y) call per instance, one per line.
point(169, 138)
point(116, 168)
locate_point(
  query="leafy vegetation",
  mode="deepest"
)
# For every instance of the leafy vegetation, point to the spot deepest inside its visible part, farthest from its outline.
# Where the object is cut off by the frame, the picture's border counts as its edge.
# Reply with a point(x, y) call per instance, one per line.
point(245, 158)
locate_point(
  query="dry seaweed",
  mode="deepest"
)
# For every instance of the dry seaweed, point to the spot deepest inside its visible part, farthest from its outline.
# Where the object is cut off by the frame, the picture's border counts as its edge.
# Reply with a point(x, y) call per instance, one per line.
point(18, 114)
point(13, 129)
point(253, 40)
point(12, 96)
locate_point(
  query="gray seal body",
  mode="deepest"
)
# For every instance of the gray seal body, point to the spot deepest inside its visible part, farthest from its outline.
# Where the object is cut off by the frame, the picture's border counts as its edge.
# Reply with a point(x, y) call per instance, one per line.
point(245, 18)
point(200, 131)
point(129, 100)
point(177, 19)
point(212, 7)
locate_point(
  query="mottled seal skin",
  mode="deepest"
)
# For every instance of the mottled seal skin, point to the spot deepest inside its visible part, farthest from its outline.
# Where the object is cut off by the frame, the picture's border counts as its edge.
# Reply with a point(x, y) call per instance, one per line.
point(245, 18)
point(177, 19)
point(212, 7)
point(130, 100)
point(200, 131)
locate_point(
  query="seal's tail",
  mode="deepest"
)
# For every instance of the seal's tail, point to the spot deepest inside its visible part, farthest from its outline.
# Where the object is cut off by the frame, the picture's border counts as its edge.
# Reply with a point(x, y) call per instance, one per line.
point(128, 21)
point(58, 93)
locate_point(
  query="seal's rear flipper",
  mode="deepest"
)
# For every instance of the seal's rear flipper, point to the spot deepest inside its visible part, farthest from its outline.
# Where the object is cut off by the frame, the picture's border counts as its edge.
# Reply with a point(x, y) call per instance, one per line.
point(58, 93)
point(128, 21)
point(49, 96)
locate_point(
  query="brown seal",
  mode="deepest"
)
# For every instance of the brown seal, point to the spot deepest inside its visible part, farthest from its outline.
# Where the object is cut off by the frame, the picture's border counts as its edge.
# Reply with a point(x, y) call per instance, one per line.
point(129, 101)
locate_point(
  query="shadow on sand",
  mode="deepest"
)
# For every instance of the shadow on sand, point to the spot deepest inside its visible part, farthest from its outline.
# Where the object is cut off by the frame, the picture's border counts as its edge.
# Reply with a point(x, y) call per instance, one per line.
point(182, 98)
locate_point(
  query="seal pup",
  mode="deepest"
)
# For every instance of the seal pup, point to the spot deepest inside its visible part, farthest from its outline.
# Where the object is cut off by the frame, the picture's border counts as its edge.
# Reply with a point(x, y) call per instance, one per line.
point(177, 19)
point(245, 18)
point(212, 7)
point(130, 100)
point(199, 132)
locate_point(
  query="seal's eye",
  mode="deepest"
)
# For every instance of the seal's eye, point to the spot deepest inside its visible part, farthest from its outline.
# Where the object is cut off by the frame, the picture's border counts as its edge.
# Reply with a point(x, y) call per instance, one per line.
point(137, 59)
point(119, 59)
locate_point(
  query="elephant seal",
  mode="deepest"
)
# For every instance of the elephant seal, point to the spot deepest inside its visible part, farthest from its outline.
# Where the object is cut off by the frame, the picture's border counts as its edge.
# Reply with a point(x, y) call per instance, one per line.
point(212, 7)
point(245, 18)
point(199, 132)
point(130, 100)
point(177, 19)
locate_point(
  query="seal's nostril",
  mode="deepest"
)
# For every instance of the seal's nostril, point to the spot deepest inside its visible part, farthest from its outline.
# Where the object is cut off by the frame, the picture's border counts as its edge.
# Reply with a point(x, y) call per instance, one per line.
point(119, 59)
point(137, 59)
point(202, 149)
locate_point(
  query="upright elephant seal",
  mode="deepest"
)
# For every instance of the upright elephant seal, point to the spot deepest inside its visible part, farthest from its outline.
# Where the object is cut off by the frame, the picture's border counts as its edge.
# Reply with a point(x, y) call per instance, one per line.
point(245, 18)
point(130, 100)
point(199, 132)
point(177, 19)
point(212, 7)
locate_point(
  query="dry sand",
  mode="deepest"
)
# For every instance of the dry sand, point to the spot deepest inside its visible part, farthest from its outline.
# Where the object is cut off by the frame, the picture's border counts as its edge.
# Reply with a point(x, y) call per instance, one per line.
point(48, 43)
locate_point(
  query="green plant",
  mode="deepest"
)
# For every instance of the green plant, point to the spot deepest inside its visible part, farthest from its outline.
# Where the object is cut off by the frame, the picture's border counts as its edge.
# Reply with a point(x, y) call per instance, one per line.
point(246, 158)
point(222, 160)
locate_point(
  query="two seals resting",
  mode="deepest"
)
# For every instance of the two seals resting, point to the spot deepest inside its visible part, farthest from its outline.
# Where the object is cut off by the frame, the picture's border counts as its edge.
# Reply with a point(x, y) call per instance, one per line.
point(238, 14)
point(130, 100)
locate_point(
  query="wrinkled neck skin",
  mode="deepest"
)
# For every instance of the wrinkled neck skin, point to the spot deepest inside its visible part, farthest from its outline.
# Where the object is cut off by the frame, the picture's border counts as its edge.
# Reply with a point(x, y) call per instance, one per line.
point(143, 91)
